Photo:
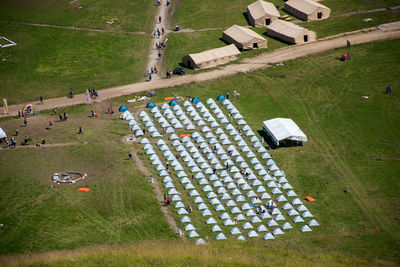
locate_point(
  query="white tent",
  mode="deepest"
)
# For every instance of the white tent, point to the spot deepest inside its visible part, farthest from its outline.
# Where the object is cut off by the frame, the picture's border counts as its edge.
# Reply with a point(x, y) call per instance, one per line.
point(193, 234)
point(252, 233)
point(216, 228)
point(278, 231)
point(262, 228)
point(220, 236)
point(280, 129)
point(313, 223)
point(235, 231)
point(206, 212)
point(185, 219)
point(305, 228)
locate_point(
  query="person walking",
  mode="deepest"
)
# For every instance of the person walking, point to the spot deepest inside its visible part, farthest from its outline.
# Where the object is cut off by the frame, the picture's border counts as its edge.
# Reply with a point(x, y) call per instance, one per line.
point(41, 100)
point(16, 132)
point(159, 55)
point(159, 19)
point(129, 156)
point(227, 95)
point(25, 122)
point(50, 125)
point(80, 130)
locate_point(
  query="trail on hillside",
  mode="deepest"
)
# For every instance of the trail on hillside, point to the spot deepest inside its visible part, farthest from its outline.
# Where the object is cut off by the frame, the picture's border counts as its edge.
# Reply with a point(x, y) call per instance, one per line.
point(156, 55)
point(157, 191)
point(383, 32)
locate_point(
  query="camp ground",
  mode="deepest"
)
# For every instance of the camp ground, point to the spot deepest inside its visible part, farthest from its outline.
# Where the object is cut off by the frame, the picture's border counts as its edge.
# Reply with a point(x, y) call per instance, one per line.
point(199, 133)
point(218, 169)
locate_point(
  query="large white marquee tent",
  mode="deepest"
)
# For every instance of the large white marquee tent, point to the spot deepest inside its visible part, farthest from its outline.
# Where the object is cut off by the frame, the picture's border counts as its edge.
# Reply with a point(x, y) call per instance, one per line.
point(281, 128)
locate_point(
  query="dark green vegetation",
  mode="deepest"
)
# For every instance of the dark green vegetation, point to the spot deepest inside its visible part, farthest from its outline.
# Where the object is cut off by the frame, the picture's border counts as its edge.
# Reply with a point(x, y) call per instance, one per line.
point(48, 62)
point(352, 142)
point(135, 15)
point(39, 215)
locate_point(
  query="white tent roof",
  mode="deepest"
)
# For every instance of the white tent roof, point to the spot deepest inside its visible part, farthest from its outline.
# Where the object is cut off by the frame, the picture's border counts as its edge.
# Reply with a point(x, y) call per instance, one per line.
point(280, 129)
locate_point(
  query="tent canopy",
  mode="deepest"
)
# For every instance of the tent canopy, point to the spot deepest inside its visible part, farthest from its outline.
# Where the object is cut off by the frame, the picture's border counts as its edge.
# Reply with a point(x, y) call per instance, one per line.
point(282, 128)
point(123, 108)
point(221, 98)
point(196, 100)
point(173, 102)
point(150, 105)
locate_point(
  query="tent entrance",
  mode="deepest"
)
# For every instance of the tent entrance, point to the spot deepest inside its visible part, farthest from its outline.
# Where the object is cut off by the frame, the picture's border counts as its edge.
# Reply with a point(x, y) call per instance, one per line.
point(267, 21)
point(305, 38)
point(319, 15)
point(255, 45)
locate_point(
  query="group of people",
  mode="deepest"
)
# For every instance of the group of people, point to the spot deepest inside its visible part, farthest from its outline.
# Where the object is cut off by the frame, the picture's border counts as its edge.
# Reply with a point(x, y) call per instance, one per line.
point(93, 93)
point(160, 45)
point(159, 32)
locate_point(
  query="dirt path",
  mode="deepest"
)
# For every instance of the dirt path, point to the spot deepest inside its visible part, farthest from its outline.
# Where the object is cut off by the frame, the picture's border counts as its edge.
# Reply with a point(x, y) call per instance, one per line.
point(154, 59)
point(47, 145)
point(158, 192)
point(380, 33)
point(68, 27)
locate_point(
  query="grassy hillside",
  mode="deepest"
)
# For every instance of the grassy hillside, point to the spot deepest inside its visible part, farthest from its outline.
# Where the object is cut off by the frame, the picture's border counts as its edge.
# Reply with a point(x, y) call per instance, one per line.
point(169, 253)
point(48, 62)
point(38, 215)
point(352, 141)
point(137, 15)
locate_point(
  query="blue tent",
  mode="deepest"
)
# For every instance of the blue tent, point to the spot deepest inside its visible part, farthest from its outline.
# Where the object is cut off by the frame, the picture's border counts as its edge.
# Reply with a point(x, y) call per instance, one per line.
point(221, 98)
point(150, 105)
point(195, 100)
point(123, 108)
point(173, 102)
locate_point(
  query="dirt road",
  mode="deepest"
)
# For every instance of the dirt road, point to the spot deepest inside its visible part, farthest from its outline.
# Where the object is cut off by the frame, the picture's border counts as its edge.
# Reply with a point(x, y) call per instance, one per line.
point(382, 32)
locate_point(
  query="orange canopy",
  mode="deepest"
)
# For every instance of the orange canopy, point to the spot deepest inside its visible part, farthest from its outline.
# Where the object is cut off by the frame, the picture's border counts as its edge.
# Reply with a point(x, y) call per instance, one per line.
point(83, 189)
point(183, 135)
point(169, 98)
point(311, 199)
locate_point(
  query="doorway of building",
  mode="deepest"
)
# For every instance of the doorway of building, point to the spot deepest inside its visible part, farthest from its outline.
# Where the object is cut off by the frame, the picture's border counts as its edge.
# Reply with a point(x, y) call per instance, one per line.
point(267, 21)
point(255, 45)
point(305, 38)
point(319, 15)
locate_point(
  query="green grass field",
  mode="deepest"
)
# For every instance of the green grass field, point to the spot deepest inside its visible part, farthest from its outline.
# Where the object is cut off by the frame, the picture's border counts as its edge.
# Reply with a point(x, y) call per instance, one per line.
point(182, 44)
point(198, 15)
point(48, 62)
point(352, 142)
point(41, 216)
point(135, 15)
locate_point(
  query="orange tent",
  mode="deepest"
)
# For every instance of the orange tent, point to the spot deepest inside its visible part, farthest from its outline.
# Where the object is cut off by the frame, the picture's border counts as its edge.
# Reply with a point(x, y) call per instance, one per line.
point(169, 98)
point(311, 199)
point(83, 189)
point(183, 135)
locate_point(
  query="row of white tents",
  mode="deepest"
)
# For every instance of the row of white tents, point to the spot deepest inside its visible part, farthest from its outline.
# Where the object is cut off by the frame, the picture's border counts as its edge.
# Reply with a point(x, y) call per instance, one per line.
point(234, 188)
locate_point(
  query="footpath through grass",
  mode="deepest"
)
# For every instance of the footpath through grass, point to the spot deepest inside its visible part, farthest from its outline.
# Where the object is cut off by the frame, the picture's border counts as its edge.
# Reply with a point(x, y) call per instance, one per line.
point(38, 215)
point(49, 62)
point(352, 142)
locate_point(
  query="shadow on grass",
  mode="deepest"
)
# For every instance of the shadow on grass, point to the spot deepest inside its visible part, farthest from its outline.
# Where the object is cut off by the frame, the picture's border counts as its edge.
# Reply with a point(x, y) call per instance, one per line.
point(267, 139)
